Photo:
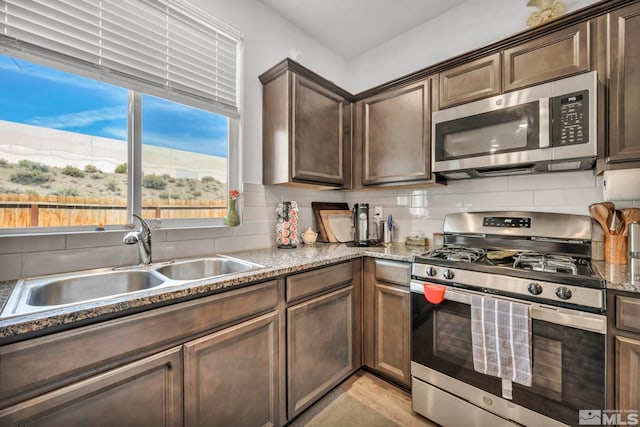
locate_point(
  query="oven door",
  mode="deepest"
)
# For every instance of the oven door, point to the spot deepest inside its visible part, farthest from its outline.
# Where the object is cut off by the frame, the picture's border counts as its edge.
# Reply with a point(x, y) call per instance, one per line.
point(568, 358)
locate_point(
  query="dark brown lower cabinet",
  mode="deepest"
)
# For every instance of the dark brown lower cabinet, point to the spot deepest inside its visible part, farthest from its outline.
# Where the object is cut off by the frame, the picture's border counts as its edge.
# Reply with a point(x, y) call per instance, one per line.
point(387, 321)
point(320, 343)
point(220, 360)
point(624, 328)
point(144, 393)
point(231, 377)
point(131, 371)
point(628, 373)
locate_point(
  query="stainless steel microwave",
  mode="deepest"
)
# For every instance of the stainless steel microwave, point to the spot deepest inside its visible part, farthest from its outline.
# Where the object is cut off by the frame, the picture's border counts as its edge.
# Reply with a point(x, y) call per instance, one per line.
point(544, 128)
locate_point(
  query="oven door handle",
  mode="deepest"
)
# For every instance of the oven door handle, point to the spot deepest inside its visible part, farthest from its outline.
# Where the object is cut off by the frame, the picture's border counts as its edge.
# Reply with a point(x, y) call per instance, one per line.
point(557, 315)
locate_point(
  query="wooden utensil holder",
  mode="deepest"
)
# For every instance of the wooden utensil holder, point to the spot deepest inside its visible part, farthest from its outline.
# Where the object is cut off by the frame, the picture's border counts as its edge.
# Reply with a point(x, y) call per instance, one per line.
point(616, 250)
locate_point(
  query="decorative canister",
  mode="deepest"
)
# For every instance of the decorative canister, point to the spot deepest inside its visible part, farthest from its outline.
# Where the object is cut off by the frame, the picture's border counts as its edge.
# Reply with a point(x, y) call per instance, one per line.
point(287, 225)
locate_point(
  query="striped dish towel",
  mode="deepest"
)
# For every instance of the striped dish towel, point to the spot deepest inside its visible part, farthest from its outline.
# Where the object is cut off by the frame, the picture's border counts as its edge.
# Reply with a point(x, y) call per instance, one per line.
point(501, 337)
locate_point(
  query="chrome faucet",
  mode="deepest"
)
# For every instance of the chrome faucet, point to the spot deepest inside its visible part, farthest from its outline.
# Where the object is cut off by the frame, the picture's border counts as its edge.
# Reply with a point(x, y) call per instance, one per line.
point(143, 238)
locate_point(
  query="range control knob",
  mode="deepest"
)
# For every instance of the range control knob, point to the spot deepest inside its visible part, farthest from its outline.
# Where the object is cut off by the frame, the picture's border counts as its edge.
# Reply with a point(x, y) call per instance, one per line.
point(563, 293)
point(430, 271)
point(534, 288)
point(448, 274)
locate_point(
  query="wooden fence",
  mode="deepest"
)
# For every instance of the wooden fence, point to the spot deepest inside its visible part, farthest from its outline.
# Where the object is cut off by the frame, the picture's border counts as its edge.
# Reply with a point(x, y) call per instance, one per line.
point(27, 210)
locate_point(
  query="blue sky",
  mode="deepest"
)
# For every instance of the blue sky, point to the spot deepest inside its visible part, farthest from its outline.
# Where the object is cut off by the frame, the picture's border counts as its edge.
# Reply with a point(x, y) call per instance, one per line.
point(37, 95)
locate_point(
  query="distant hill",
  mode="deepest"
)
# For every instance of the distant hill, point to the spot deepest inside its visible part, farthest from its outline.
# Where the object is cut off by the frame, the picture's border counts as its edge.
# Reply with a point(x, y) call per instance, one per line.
point(59, 148)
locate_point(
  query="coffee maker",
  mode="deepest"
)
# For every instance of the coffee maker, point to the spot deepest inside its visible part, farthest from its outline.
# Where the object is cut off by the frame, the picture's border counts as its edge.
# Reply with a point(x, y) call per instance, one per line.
point(361, 224)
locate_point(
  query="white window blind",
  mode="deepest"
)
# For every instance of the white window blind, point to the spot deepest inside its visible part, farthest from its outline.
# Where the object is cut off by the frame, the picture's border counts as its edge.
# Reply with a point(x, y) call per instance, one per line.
point(161, 47)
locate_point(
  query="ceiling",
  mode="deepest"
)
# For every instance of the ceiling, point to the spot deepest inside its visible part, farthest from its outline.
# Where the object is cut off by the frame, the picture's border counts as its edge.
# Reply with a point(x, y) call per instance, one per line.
point(352, 27)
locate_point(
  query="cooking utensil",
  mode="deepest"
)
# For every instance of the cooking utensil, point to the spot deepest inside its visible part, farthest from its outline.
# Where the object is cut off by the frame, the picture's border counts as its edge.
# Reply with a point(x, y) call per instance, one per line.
point(629, 215)
point(617, 223)
point(609, 205)
point(600, 212)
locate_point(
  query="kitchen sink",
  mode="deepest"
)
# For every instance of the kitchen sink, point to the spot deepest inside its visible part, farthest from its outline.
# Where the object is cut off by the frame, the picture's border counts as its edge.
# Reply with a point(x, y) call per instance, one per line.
point(93, 286)
point(205, 267)
point(47, 292)
point(43, 293)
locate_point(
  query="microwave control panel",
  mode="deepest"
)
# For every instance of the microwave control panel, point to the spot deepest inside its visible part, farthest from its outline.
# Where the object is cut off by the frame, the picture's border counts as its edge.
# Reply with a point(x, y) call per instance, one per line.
point(570, 119)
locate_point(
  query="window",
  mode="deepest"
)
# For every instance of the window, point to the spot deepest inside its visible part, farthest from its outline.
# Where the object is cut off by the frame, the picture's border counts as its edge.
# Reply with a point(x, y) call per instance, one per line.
point(184, 160)
point(113, 108)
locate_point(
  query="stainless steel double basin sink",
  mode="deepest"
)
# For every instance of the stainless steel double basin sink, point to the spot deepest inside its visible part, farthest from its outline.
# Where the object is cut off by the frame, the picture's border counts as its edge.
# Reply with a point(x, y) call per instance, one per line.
point(47, 292)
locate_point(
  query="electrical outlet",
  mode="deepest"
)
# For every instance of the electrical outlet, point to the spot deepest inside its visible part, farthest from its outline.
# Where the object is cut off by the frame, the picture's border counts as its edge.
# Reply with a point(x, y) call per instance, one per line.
point(377, 211)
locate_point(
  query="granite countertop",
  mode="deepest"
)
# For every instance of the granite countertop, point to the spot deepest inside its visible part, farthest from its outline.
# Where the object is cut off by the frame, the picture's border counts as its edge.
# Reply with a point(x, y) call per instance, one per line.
point(617, 276)
point(278, 262)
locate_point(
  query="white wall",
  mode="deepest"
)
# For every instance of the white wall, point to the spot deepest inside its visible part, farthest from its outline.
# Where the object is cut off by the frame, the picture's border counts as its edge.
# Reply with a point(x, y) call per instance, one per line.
point(466, 27)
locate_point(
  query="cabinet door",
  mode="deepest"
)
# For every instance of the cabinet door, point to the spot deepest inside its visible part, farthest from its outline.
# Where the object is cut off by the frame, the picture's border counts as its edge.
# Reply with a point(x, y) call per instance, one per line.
point(392, 356)
point(395, 135)
point(317, 143)
point(320, 347)
point(624, 85)
point(231, 377)
point(144, 393)
point(627, 373)
point(471, 81)
point(387, 319)
point(553, 56)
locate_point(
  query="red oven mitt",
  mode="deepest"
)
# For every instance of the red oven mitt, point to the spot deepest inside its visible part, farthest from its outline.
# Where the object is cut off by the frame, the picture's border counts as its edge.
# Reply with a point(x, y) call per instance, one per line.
point(434, 293)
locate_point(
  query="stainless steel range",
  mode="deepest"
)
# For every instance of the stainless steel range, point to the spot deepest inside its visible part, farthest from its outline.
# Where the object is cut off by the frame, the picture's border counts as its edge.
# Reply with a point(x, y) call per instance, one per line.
point(533, 261)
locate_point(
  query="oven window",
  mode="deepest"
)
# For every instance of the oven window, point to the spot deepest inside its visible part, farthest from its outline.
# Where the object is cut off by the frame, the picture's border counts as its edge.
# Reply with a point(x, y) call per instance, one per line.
point(506, 130)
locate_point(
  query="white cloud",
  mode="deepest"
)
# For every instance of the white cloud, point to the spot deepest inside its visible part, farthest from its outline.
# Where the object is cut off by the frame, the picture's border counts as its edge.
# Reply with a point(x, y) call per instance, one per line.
point(80, 119)
point(116, 133)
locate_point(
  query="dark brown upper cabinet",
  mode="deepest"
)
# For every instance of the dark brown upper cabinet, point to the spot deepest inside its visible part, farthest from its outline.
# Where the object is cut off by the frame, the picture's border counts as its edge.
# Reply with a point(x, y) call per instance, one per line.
point(306, 128)
point(316, 133)
point(623, 148)
point(395, 135)
point(548, 57)
point(553, 56)
point(470, 81)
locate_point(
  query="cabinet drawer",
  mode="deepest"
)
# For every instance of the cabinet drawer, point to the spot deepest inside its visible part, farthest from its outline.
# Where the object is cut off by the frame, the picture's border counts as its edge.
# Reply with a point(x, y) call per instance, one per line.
point(393, 272)
point(31, 367)
point(628, 313)
point(312, 282)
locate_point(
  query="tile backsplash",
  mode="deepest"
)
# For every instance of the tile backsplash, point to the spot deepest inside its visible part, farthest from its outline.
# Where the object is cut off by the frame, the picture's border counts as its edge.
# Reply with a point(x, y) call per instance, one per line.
point(422, 211)
point(414, 211)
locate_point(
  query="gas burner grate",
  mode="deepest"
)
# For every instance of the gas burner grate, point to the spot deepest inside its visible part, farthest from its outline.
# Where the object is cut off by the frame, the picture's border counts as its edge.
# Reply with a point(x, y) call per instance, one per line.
point(456, 253)
point(544, 262)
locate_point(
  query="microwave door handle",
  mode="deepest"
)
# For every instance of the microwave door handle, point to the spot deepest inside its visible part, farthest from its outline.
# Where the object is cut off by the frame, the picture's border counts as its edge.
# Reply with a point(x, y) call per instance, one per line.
point(543, 123)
